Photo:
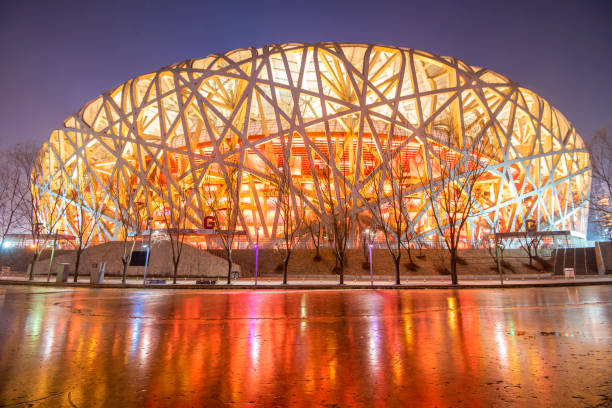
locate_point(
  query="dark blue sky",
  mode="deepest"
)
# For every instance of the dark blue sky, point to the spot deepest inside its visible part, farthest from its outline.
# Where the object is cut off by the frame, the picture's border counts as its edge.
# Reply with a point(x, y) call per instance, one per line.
point(57, 55)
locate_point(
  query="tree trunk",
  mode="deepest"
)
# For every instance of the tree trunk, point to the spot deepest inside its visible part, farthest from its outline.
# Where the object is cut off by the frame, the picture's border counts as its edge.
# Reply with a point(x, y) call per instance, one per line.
point(397, 271)
point(229, 268)
point(123, 276)
point(34, 260)
point(76, 265)
point(286, 266)
point(342, 271)
point(175, 272)
point(453, 265)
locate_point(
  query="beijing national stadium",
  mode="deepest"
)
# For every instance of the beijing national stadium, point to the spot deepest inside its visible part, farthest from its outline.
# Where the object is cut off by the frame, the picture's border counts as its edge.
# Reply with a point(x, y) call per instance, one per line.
point(154, 144)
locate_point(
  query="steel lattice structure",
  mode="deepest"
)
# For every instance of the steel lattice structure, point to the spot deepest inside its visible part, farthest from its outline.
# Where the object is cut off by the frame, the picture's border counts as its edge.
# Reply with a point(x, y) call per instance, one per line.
point(349, 107)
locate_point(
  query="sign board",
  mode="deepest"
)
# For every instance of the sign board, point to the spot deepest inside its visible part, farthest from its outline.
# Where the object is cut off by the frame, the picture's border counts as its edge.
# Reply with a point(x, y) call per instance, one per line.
point(139, 258)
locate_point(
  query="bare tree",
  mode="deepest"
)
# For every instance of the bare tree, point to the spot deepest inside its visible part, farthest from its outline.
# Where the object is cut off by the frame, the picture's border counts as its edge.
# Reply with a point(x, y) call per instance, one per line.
point(600, 151)
point(530, 243)
point(13, 190)
point(291, 214)
point(175, 221)
point(42, 210)
point(84, 220)
point(129, 216)
point(314, 230)
point(334, 191)
point(222, 202)
point(389, 210)
point(450, 182)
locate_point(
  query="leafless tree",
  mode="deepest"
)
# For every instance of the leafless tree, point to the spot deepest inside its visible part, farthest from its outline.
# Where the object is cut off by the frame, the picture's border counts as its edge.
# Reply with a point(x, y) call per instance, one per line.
point(389, 211)
point(13, 190)
point(129, 215)
point(450, 183)
point(600, 151)
point(314, 230)
point(530, 243)
point(84, 220)
point(221, 201)
point(42, 211)
point(334, 191)
point(174, 220)
point(291, 214)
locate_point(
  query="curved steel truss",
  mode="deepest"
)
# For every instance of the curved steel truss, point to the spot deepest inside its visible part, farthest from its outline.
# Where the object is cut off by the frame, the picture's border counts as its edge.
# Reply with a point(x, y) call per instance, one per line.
point(151, 145)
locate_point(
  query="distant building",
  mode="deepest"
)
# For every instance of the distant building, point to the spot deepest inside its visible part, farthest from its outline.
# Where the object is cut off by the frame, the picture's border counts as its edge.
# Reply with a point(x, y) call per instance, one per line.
point(26, 241)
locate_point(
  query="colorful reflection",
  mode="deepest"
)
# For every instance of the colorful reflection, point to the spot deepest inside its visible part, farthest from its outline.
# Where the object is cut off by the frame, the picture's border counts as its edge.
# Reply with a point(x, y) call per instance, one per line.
point(274, 348)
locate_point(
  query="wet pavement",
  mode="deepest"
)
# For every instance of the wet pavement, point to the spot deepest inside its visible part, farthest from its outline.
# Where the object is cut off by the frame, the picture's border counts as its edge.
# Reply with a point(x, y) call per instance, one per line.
point(382, 348)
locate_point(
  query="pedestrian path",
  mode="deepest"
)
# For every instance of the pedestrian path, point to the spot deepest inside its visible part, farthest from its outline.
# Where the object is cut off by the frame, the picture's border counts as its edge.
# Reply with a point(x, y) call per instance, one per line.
point(318, 282)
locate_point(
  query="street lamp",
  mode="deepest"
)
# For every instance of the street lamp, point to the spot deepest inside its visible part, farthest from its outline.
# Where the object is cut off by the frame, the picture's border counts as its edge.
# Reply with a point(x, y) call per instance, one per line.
point(257, 254)
point(148, 246)
point(371, 271)
point(53, 252)
point(499, 247)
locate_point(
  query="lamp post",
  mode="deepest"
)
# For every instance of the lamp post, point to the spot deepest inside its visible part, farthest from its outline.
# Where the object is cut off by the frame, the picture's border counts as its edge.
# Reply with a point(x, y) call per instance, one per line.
point(144, 277)
point(371, 270)
point(52, 253)
point(499, 247)
point(257, 255)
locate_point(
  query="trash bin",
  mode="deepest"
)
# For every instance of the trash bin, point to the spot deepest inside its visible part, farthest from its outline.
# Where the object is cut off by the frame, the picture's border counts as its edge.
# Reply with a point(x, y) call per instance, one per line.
point(569, 273)
point(63, 270)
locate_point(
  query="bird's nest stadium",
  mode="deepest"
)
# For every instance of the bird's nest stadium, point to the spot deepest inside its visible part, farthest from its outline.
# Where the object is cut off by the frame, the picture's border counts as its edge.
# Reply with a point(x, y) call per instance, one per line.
point(152, 145)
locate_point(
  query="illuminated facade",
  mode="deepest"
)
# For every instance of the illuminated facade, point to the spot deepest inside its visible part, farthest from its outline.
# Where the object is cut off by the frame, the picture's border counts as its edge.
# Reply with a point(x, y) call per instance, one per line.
point(348, 108)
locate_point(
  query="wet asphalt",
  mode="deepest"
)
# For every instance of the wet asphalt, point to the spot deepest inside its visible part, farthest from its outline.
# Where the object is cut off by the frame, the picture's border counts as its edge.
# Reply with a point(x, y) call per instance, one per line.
point(374, 348)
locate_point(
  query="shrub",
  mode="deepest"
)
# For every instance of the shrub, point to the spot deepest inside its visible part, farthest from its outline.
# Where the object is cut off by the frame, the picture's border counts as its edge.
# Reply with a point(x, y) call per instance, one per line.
point(411, 266)
point(461, 261)
point(279, 268)
point(365, 266)
point(317, 258)
point(421, 256)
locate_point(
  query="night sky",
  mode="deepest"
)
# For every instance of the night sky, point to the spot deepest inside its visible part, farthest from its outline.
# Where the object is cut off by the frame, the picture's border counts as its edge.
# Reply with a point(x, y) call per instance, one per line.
point(57, 55)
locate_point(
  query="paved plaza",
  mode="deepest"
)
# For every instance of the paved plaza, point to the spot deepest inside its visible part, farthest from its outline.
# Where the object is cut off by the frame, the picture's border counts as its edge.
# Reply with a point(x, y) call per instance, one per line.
point(87, 347)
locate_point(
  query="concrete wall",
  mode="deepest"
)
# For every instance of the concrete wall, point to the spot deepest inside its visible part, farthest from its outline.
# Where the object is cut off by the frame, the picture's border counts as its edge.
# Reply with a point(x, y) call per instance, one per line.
point(479, 262)
point(193, 263)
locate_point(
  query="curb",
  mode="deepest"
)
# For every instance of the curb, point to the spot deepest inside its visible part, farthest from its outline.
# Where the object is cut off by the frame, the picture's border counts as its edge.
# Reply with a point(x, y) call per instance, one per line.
point(305, 286)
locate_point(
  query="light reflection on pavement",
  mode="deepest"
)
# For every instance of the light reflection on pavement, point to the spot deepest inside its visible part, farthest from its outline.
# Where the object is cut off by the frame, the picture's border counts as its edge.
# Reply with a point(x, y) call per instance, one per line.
point(471, 347)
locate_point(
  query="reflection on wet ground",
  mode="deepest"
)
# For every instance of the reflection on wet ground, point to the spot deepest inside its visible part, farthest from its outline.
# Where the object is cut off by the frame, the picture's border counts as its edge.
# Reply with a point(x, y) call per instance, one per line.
point(479, 347)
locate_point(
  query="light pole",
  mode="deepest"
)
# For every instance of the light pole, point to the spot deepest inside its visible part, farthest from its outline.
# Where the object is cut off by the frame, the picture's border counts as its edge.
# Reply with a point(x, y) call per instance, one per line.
point(144, 277)
point(499, 247)
point(371, 270)
point(257, 254)
point(52, 253)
